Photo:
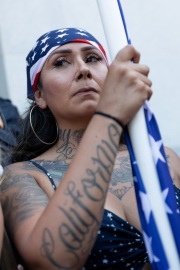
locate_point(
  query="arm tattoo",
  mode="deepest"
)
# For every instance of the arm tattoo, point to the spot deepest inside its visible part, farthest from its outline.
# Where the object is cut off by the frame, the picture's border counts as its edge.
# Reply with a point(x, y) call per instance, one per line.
point(22, 200)
point(79, 229)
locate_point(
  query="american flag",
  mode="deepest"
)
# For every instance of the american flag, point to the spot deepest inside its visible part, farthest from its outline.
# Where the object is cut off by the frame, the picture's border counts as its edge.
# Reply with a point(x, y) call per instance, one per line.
point(153, 241)
point(159, 249)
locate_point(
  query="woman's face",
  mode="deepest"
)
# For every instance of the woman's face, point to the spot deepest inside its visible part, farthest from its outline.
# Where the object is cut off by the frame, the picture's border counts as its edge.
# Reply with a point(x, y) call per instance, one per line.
point(71, 80)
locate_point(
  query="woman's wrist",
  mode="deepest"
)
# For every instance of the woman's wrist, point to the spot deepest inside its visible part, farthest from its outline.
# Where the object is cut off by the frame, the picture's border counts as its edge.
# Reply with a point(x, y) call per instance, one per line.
point(110, 117)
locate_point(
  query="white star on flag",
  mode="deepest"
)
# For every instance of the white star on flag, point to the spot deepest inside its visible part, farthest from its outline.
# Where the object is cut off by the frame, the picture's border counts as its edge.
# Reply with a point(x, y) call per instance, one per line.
point(156, 145)
point(165, 194)
point(148, 241)
point(146, 207)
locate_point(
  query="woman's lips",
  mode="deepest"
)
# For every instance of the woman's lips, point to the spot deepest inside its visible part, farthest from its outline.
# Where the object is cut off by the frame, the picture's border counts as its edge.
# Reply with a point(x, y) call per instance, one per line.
point(86, 91)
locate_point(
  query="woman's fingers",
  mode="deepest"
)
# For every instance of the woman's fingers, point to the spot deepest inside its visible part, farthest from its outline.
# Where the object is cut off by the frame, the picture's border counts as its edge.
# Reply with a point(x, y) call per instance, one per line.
point(128, 53)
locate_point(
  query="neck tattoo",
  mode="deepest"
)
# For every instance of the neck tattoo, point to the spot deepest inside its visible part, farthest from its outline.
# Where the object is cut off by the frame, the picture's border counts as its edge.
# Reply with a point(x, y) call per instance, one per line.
point(69, 141)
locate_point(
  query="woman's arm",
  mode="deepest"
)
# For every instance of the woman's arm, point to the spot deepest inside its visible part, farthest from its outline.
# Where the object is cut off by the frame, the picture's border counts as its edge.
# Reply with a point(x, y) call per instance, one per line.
point(62, 232)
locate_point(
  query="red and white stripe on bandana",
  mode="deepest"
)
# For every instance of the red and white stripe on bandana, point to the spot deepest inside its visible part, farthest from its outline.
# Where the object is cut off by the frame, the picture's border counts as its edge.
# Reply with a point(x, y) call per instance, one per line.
point(49, 42)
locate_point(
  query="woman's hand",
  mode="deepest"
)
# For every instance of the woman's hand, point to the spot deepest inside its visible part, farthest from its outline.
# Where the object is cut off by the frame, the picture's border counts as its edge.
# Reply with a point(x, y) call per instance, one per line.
point(126, 87)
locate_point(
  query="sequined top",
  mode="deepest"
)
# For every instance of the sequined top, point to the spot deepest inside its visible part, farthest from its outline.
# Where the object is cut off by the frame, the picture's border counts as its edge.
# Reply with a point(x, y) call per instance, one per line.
point(119, 245)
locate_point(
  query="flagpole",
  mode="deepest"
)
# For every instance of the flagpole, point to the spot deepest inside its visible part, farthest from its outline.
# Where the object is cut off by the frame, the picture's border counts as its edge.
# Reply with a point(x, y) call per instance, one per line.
point(117, 38)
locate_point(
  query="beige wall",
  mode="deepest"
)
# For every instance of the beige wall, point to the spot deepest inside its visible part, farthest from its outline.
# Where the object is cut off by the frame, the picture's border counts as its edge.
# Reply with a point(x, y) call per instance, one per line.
point(152, 26)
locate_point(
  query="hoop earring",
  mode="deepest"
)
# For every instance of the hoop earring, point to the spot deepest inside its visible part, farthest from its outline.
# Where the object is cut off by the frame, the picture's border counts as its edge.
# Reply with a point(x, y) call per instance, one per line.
point(30, 120)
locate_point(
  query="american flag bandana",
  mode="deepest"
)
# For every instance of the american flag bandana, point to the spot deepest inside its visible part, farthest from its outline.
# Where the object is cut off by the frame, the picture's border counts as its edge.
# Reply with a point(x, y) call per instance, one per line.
point(48, 43)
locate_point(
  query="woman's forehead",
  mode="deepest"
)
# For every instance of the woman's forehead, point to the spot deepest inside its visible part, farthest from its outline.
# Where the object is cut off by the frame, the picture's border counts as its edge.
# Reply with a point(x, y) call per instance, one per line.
point(74, 47)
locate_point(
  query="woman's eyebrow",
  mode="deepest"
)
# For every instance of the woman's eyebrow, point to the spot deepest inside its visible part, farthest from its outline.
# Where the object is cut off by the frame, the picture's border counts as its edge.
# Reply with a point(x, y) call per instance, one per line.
point(58, 52)
point(86, 48)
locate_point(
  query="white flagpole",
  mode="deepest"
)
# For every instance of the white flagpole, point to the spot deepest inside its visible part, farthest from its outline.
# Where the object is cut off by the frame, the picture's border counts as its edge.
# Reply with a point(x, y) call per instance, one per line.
point(116, 39)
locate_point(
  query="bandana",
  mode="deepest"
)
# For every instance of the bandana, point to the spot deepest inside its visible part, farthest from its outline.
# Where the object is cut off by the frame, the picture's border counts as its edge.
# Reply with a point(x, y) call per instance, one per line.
point(48, 43)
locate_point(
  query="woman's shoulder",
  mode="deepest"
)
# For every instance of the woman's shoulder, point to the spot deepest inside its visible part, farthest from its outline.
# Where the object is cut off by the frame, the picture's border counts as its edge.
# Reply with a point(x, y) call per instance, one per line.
point(13, 168)
point(169, 151)
point(173, 161)
point(12, 174)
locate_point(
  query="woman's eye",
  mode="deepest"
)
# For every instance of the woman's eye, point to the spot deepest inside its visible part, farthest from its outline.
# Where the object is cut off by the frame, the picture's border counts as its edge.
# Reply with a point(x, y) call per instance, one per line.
point(61, 62)
point(93, 58)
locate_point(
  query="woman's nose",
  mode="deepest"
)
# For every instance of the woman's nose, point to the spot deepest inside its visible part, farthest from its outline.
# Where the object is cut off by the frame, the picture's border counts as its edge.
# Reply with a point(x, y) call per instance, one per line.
point(83, 71)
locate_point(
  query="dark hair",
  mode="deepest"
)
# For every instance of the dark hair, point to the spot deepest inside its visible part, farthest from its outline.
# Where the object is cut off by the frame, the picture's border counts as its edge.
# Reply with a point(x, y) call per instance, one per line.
point(28, 145)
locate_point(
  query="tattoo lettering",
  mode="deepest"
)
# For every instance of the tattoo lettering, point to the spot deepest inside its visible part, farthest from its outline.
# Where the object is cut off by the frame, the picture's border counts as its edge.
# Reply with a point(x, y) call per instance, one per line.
point(104, 162)
point(49, 248)
point(70, 140)
point(79, 231)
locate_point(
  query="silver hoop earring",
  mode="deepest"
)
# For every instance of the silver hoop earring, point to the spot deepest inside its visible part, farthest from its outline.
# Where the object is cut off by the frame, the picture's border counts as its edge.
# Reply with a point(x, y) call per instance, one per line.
point(30, 120)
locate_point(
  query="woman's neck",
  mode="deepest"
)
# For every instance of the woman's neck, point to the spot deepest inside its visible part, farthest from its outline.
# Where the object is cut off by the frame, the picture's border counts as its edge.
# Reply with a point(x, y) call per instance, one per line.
point(68, 143)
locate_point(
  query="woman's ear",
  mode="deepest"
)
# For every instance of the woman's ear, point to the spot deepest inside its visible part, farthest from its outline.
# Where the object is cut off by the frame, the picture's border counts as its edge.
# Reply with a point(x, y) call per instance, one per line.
point(40, 101)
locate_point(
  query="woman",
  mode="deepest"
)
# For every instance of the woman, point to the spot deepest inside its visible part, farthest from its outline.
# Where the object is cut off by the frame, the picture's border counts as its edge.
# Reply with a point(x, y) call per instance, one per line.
point(68, 199)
